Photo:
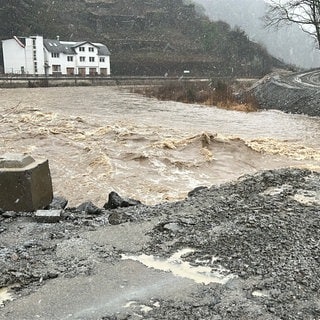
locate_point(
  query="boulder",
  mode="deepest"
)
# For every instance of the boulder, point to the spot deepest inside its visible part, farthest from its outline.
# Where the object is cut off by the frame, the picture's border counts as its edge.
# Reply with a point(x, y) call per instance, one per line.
point(58, 203)
point(89, 208)
point(48, 216)
point(196, 190)
point(116, 201)
point(25, 183)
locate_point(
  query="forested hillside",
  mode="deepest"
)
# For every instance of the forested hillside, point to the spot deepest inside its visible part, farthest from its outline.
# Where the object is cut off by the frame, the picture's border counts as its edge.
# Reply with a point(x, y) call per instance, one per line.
point(145, 37)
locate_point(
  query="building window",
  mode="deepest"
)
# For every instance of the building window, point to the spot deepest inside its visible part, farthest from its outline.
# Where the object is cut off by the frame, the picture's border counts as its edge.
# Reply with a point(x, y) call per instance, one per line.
point(81, 49)
point(104, 71)
point(70, 58)
point(56, 68)
point(92, 71)
point(82, 71)
point(82, 59)
point(91, 49)
point(55, 55)
point(102, 59)
point(70, 71)
point(91, 59)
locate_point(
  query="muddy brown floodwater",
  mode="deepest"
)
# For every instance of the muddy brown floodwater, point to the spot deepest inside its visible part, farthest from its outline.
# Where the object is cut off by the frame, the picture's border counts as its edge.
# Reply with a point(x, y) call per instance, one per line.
point(100, 139)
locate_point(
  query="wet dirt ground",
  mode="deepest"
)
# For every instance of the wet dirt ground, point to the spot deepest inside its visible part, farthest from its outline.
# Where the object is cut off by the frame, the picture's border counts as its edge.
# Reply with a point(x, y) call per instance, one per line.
point(244, 250)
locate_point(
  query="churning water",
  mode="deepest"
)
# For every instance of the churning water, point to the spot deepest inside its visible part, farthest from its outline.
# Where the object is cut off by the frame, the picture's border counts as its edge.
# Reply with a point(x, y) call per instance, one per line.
point(99, 139)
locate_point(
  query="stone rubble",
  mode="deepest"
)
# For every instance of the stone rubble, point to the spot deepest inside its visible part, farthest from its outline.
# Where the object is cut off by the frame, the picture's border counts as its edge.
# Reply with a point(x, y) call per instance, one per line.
point(255, 227)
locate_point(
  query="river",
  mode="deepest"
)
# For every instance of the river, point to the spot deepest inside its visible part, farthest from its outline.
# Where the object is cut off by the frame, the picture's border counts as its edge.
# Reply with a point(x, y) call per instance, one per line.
point(103, 139)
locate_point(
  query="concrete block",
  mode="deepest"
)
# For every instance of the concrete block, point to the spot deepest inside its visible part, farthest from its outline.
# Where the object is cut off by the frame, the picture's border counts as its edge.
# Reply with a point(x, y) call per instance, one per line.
point(48, 216)
point(25, 183)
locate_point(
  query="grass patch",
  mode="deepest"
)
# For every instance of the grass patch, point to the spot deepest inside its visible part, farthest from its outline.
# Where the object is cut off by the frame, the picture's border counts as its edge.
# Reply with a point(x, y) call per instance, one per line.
point(215, 93)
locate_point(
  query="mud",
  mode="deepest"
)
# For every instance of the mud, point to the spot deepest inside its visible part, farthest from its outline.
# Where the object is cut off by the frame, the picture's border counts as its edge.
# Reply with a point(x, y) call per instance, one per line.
point(259, 233)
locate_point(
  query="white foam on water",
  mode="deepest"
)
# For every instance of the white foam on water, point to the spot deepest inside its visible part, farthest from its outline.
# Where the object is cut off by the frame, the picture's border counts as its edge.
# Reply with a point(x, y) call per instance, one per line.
point(178, 267)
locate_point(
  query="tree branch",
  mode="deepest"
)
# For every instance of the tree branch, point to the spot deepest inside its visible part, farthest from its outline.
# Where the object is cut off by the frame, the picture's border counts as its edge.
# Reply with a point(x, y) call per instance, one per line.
point(305, 13)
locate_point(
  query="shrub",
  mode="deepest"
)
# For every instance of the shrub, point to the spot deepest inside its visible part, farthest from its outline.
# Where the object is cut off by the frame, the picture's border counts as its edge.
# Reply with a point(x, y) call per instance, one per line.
point(215, 93)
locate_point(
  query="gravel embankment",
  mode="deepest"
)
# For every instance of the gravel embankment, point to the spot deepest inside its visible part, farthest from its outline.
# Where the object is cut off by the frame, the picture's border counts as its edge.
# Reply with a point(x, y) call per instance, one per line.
point(264, 229)
point(289, 93)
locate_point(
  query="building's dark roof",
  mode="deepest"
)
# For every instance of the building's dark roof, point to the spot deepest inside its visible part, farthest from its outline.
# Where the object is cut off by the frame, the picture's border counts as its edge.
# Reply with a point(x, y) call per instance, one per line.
point(68, 47)
point(102, 49)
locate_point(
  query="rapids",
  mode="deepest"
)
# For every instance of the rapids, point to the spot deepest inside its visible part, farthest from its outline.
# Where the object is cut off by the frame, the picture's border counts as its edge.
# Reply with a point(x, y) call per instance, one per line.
point(100, 139)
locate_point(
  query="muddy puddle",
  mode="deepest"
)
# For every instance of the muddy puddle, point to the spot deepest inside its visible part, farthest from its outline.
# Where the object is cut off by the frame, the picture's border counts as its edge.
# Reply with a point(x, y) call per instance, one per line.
point(178, 267)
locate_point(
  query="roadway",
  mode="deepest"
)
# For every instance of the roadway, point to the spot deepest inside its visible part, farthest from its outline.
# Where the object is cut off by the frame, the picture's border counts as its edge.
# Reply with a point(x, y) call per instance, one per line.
point(290, 92)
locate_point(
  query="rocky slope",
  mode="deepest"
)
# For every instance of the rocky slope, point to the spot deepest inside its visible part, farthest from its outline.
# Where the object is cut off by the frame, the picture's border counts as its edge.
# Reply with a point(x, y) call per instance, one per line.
point(289, 92)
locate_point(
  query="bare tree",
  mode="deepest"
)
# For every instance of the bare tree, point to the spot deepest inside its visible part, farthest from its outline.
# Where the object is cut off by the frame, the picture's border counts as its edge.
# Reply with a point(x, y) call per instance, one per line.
point(305, 13)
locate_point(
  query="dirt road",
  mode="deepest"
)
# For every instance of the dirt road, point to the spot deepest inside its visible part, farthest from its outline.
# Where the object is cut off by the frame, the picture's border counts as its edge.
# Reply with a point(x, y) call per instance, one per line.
point(290, 92)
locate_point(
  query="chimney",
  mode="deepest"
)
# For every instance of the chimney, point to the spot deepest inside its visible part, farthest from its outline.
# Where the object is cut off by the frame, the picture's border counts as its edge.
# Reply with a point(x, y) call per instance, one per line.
point(58, 38)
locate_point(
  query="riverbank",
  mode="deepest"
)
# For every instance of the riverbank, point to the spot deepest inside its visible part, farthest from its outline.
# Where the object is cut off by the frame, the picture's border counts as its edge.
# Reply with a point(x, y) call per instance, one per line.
point(255, 240)
point(219, 93)
point(94, 264)
point(78, 81)
point(103, 138)
point(289, 92)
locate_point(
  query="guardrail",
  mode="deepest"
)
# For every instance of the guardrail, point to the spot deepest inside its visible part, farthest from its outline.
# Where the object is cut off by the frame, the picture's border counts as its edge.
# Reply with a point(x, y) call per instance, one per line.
point(13, 81)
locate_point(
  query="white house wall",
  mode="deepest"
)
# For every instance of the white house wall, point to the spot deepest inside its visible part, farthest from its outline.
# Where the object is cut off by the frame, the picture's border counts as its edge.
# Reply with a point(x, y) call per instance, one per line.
point(21, 60)
point(85, 55)
point(34, 58)
point(13, 63)
point(81, 61)
point(38, 48)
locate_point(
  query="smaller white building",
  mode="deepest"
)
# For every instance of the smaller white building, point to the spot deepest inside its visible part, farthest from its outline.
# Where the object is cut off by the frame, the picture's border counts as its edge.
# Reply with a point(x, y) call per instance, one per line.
point(37, 56)
point(23, 55)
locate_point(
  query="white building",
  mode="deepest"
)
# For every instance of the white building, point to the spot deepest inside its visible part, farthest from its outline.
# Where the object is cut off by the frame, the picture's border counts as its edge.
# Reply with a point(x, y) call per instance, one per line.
point(23, 55)
point(38, 56)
